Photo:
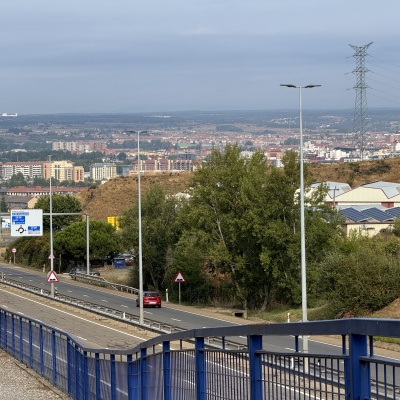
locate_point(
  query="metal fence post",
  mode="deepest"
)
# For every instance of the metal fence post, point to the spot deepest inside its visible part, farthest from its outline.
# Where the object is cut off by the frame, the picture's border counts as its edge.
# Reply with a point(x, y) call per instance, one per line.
point(255, 344)
point(70, 367)
point(167, 370)
point(97, 372)
point(21, 340)
point(13, 335)
point(41, 350)
point(30, 345)
point(54, 353)
point(143, 373)
point(85, 380)
point(113, 378)
point(359, 371)
point(200, 362)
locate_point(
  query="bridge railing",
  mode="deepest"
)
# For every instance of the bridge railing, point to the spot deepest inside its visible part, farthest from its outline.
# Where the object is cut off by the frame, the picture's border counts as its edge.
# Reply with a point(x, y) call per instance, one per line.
point(183, 366)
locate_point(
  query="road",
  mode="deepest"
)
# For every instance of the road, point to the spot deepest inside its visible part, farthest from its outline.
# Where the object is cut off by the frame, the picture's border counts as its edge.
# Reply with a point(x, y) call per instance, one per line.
point(93, 332)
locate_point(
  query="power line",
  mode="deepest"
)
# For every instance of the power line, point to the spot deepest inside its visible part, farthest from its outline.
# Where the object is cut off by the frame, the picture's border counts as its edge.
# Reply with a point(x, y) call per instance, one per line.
point(360, 111)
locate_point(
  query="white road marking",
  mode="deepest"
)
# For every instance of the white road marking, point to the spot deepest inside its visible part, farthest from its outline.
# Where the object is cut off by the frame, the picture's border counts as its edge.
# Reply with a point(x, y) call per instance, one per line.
point(72, 315)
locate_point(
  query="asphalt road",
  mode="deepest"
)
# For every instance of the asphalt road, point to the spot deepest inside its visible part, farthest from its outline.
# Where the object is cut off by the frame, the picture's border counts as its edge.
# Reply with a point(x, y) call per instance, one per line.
point(184, 317)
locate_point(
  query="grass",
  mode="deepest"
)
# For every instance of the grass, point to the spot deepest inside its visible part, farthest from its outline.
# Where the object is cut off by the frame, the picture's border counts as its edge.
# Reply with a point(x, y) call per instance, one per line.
point(120, 276)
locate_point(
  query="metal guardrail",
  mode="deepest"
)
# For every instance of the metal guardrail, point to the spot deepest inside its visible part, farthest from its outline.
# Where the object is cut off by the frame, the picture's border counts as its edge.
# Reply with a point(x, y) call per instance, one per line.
point(100, 281)
point(149, 324)
point(160, 369)
point(122, 316)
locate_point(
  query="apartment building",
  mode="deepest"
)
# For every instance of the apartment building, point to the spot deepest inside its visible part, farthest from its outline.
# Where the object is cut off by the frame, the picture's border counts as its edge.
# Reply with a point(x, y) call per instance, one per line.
point(63, 171)
point(103, 171)
point(79, 147)
point(60, 170)
point(29, 169)
point(163, 164)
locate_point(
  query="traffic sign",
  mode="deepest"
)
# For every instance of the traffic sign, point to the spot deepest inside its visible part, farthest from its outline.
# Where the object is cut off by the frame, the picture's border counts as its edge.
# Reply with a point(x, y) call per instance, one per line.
point(14, 250)
point(52, 277)
point(27, 222)
point(179, 278)
point(50, 257)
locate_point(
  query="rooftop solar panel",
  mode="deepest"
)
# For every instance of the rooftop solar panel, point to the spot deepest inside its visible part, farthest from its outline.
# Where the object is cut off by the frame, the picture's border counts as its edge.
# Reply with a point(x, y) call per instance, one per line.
point(395, 211)
point(377, 214)
point(353, 214)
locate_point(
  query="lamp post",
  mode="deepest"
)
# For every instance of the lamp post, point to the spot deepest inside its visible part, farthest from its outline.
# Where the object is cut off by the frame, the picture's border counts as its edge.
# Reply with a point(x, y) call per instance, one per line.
point(141, 319)
point(302, 224)
point(51, 231)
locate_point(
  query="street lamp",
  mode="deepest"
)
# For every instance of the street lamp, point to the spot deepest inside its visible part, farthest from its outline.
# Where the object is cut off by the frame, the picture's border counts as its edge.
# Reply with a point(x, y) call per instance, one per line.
point(141, 319)
point(51, 231)
point(302, 225)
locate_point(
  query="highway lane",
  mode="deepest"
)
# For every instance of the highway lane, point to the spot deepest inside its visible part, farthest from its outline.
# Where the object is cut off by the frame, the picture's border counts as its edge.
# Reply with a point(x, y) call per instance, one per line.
point(166, 314)
point(89, 330)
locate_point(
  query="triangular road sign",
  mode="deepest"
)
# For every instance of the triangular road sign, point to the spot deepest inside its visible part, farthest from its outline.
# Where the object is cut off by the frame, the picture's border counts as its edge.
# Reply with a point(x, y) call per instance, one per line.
point(52, 277)
point(179, 278)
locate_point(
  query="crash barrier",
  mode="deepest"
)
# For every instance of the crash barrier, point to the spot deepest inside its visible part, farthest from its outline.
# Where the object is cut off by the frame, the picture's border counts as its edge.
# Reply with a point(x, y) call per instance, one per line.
point(183, 366)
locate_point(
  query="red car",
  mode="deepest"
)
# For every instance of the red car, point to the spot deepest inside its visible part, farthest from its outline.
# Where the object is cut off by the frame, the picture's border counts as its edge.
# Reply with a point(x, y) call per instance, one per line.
point(150, 299)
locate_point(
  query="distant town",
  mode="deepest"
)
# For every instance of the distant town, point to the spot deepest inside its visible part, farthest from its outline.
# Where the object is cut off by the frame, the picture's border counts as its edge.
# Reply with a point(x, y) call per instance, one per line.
point(79, 148)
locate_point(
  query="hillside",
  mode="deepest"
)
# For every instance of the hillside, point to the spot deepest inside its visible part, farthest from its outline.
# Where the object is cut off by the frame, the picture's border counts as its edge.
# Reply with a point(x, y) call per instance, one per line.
point(118, 195)
point(358, 173)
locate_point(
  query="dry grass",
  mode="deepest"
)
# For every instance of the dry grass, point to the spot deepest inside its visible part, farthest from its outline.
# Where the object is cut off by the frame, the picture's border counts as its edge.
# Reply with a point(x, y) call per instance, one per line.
point(120, 276)
point(119, 194)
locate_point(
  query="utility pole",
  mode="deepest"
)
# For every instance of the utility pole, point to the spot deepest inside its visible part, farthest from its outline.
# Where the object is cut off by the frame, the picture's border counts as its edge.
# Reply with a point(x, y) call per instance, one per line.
point(360, 113)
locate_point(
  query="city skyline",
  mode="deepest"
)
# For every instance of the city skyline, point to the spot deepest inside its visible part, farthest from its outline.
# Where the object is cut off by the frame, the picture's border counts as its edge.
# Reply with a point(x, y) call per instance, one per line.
point(129, 57)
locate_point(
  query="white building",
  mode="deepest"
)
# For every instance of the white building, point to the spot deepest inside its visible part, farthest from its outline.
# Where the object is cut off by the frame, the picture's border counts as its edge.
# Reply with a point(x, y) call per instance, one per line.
point(29, 169)
point(101, 171)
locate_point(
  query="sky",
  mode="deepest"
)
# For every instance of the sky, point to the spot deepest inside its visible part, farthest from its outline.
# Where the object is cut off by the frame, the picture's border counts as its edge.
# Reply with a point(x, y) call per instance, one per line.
point(136, 56)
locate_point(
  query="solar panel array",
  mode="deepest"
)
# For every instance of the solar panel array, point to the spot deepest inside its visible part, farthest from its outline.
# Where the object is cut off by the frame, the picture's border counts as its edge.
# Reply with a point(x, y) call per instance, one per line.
point(395, 211)
point(371, 214)
point(353, 214)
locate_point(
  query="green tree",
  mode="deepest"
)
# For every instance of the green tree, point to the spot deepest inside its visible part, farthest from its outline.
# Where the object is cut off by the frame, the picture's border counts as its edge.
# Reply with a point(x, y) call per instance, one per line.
point(71, 242)
point(249, 216)
point(3, 204)
point(60, 204)
point(158, 234)
point(16, 180)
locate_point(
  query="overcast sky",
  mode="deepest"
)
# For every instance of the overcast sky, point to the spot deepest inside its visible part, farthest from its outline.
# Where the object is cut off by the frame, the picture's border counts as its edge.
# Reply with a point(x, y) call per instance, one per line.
point(79, 56)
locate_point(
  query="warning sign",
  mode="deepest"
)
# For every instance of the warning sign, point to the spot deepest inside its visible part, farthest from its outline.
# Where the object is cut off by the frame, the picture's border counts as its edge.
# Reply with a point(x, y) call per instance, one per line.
point(179, 278)
point(52, 277)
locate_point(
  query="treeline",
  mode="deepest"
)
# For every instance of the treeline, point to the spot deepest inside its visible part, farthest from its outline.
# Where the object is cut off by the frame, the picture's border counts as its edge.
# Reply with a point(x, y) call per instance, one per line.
point(235, 237)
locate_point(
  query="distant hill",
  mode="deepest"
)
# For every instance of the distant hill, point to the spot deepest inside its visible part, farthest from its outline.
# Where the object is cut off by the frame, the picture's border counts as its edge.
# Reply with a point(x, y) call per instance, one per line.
point(118, 195)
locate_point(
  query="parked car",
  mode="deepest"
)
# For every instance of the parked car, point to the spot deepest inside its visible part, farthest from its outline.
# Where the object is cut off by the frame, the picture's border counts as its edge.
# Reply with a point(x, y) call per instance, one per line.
point(150, 299)
point(79, 270)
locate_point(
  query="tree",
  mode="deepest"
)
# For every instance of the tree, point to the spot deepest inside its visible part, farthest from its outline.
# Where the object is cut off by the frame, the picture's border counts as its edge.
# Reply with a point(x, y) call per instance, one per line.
point(248, 215)
point(3, 204)
point(16, 180)
point(158, 234)
point(60, 204)
point(71, 242)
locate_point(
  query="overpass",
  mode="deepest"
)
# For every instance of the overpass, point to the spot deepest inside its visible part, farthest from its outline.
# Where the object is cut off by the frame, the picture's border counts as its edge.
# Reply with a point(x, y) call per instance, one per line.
point(202, 364)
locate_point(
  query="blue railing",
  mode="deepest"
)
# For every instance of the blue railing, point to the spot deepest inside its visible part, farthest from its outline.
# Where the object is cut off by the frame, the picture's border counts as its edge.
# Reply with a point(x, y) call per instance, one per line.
point(184, 365)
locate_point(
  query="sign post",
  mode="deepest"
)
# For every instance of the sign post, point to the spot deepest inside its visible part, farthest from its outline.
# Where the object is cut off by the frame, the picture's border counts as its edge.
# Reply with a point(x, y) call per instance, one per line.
point(179, 279)
point(14, 250)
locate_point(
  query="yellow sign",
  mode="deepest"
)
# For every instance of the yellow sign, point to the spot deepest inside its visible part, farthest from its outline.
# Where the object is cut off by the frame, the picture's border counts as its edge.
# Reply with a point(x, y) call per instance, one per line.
point(114, 222)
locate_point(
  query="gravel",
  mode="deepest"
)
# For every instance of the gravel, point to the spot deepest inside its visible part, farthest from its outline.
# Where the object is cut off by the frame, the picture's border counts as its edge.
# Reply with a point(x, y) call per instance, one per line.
point(20, 382)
